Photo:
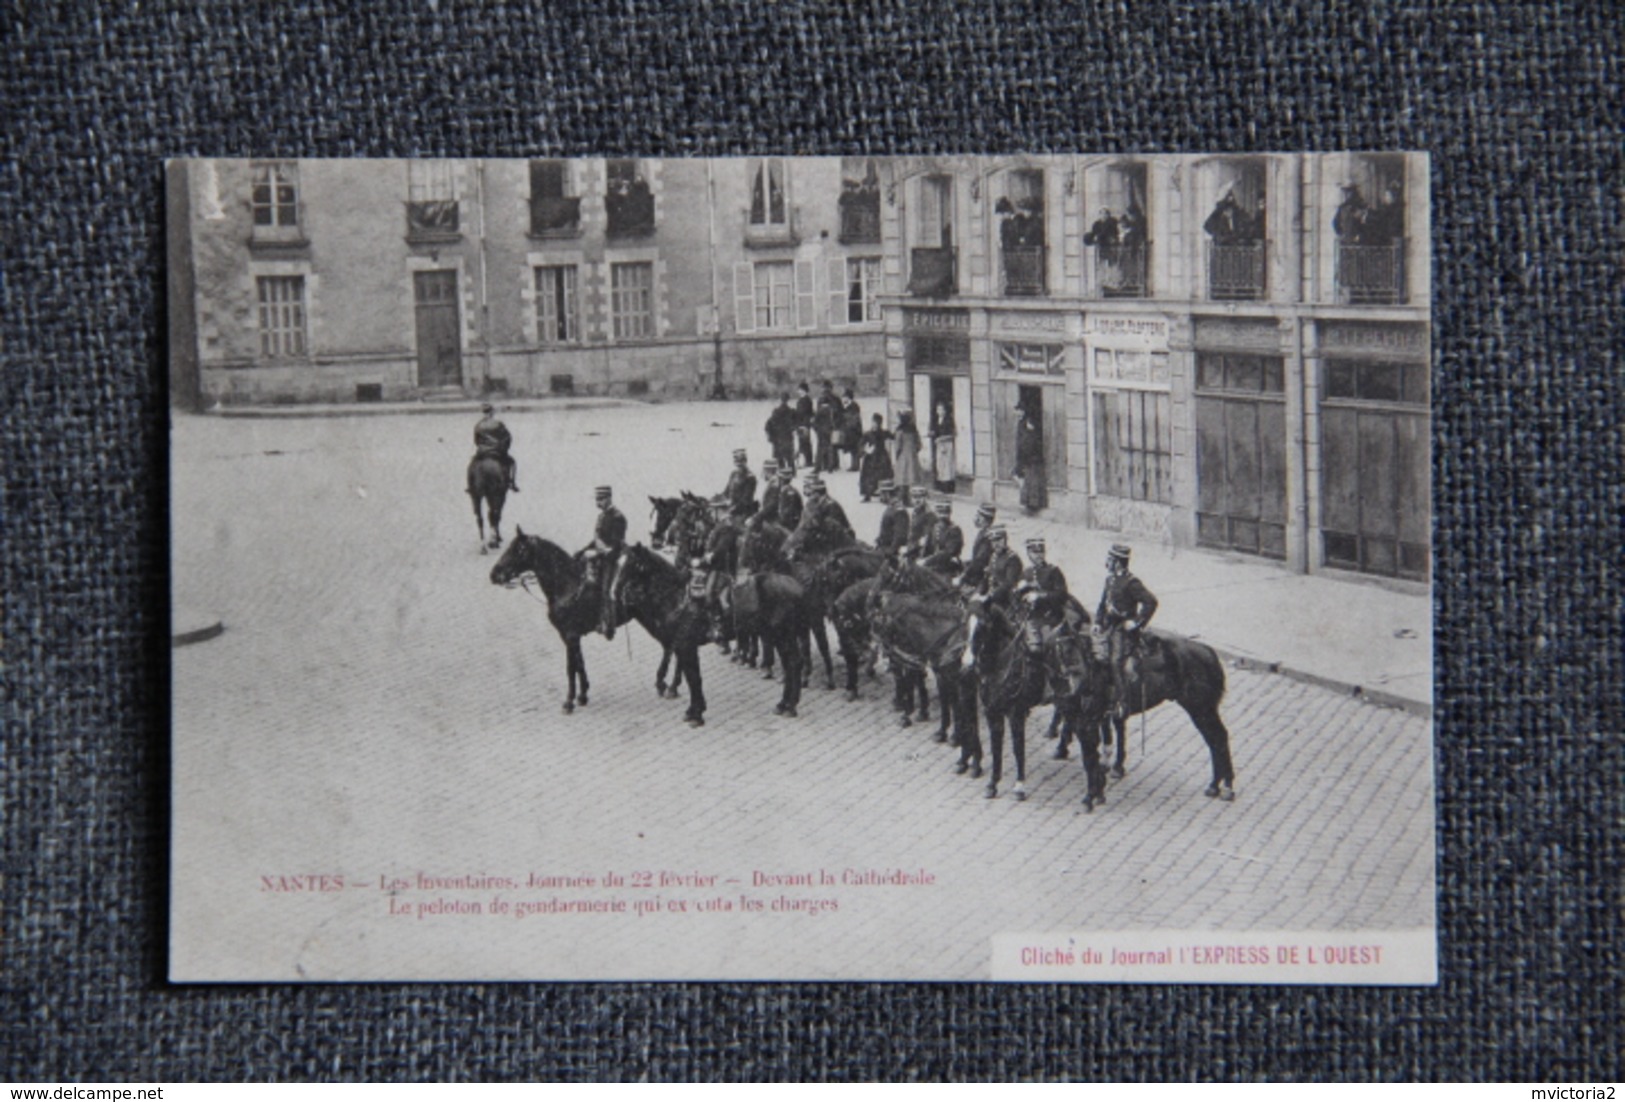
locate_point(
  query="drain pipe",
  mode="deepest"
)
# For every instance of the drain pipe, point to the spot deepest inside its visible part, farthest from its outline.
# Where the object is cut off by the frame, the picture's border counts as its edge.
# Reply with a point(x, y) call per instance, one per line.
point(719, 393)
point(485, 297)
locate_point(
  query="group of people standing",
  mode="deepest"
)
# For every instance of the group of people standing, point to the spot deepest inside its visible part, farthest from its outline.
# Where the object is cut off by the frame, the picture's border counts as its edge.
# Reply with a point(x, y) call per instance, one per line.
point(816, 432)
point(1358, 223)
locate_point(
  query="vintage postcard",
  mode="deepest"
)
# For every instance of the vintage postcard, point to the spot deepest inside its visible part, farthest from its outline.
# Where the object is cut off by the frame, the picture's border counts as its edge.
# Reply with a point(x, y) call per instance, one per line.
point(838, 568)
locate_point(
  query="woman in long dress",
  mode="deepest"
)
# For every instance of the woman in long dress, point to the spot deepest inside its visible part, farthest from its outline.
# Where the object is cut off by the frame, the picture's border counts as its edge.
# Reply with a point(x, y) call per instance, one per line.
point(906, 451)
point(876, 464)
point(1030, 463)
point(942, 448)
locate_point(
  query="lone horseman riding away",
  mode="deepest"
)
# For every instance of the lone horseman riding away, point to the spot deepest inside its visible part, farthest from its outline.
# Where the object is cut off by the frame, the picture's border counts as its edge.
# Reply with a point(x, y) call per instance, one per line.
point(490, 475)
point(493, 440)
point(601, 555)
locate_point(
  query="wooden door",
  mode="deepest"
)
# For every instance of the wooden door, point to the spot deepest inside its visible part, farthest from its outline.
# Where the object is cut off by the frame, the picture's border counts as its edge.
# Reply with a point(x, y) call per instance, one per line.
point(439, 328)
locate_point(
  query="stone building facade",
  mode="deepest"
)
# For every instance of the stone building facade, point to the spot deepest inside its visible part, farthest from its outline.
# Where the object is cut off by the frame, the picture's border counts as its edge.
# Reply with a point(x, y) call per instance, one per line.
point(356, 280)
point(1223, 351)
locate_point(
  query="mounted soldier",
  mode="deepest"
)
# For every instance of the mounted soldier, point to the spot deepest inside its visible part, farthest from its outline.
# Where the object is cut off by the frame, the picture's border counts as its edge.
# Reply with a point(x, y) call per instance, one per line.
point(1043, 587)
point(1126, 607)
point(770, 491)
point(996, 590)
point(945, 542)
point(720, 560)
point(921, 521)
point(741, 488)
point(790, 504)
point(894, 522)
point(981, 548)
point(823, 526)
point(492, 441)
point(602, 554)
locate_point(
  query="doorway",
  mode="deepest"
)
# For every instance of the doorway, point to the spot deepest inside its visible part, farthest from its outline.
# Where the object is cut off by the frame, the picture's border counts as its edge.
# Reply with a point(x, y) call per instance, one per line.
point(1049, 412)
point(953, 392)
point(439, 328)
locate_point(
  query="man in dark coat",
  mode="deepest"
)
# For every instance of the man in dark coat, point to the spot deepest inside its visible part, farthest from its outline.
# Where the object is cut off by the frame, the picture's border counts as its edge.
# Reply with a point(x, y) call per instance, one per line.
point(997, 587)
point(826, 415)
point(1043, 587)
point(823, 522)
point(492, 440)
point(601, 555)
point(740, 492)
point(944, 544)
point(921, 521)
point(721, 558)
point(1103, 234)
point(1349, 221)
point(781, 432)
point(790, 504)
point(1030, 469)
point(894, 522)
point(1126, 607)
point(804, 421)
point(849, 423)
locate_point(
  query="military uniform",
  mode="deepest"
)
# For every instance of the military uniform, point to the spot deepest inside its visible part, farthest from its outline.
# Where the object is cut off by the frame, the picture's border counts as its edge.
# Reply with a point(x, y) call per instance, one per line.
point(770, 500)
point(1002, 576)
point(741, 488)
point(942, 547)
point(921, 521)
point(894, 527)
point(790, 507)
point(608, 539)
point(1124, 601)
point(492, 440)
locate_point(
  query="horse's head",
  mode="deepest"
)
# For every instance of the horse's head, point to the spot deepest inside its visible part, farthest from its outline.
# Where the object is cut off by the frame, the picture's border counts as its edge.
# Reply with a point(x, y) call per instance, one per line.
point(664, 511)
point(517, 561)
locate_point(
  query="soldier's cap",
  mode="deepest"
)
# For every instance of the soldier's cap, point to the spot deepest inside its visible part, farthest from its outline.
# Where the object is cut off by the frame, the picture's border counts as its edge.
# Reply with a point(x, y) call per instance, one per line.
point(917, 493)
point(998, 532)
point(720, 501)
point(1035, 544)
point(488, 408)
point(812, 482)
point(769, 466)
point(697, 584)
point(1118, 551)
point(739, 455)
point(943, 507)
point(984, 511)
point(787, 473)
point(602, 493)
point(887, 486)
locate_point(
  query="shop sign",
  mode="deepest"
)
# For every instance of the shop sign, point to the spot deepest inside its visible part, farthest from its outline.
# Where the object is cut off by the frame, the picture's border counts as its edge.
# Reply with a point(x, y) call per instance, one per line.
point(937, 321)
point(1251, 336)
point(1385, 339)
point(1127, 330)
point(1030, 323)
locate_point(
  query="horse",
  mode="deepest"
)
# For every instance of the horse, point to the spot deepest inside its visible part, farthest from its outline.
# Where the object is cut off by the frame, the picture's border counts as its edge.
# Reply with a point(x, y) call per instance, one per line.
point(762, 548)
point(774, 609)
point(573, 606)
point(653, 592)
point(1014, 678)
point(488, 483)
point(929, 633)
point(1169, 668)
point(900, 575)
point(665, 511)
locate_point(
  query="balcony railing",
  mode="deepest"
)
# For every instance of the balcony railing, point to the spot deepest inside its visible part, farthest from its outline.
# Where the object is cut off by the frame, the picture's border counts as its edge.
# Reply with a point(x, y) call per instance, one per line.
point(860, 220)
point(1236, 271)
point(1024, 270)
point(933, 273)
point(555, 216)
point(631, 214)
point(1120, 270)
point(1372, 275)
point(432, 220)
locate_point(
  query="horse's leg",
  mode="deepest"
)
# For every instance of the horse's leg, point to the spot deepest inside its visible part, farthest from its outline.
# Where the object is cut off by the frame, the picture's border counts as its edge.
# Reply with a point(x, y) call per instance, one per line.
point(689, 666)
point(995, 730)
point(922, 695)
point(493, 505)
point(947, 708)
point(479, 518)
point(1116, 726)
point(572, 660)
point(902, 696)
point(788, 651)
point(960, 695)
point(849, 655)
point(822, 638)
point(581, 670)
point(660, 673)
point(1094, 774)
point(1217, 737)
point(1018, 746)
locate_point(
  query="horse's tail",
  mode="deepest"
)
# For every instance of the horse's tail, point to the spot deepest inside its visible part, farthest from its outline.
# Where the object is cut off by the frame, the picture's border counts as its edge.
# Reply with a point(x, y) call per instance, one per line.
point(1199, 669)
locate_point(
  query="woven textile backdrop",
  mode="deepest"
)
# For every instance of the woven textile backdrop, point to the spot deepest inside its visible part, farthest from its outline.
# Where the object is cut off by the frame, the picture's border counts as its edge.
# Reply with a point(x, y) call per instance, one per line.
point(1517, 104)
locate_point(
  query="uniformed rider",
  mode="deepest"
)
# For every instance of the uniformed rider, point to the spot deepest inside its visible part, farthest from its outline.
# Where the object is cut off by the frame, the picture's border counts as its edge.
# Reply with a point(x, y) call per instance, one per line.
point(894, 521)
point(1043, 588)
point(720, 561)
point(741, 488)
point(790, 504)
point(492, 441)
point(981, 548)
point(944, 544)
point(921, 521)
point(823, 521)
point(1126, 607)
point(602, 555)
point(997, 586)
point(770, 491)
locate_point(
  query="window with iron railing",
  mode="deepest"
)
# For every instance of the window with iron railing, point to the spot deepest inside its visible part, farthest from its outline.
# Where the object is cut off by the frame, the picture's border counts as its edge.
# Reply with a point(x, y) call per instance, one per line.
point(1371, 275)
point(629, 204)
point(431, 201)
point(1121, 270)
point(933, 272)
point(1236, 271)
point(1024, 270)
point(860, 215)
point(554, 212)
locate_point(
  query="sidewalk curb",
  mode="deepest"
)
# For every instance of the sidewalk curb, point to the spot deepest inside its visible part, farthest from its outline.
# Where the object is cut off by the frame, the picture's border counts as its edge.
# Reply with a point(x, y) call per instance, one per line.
point(461, 407)
point(1378, 697)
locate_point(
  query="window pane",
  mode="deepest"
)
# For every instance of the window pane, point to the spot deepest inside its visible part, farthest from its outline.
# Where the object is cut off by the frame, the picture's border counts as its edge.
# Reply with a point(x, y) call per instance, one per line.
point(1210, 372)
point(1274, 376)
point(1339, 379)
point(1246, 373)
point(1379, 382)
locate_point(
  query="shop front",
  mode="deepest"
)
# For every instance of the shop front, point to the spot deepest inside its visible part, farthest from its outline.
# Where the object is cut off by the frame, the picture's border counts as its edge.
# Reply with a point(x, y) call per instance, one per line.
point(1374, 499)
point(1029, 386)
point(937, 359)
point(1130, 417)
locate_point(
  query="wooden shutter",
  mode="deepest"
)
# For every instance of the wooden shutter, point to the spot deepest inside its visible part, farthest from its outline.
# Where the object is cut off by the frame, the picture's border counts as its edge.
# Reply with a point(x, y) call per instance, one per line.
point(837, 292)
point(744, 297)
point(806, 295)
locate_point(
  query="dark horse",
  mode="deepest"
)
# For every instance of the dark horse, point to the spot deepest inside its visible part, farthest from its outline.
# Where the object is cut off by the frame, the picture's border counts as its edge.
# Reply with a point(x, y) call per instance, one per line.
point(762, 549)
point(572, 606)
point(774, 609)
point(653, 592)
point(1170, 667)
point(924, 633)
point(1013, 679)
point(488, 482)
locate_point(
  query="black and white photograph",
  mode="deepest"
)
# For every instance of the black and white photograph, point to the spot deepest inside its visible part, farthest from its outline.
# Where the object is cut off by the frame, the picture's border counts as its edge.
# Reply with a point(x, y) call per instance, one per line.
point(941, 568)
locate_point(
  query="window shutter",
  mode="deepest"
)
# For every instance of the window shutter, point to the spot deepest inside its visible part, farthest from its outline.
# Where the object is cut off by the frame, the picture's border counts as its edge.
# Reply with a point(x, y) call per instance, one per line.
point(806, 295)
point(744, 298)
point(837, 292)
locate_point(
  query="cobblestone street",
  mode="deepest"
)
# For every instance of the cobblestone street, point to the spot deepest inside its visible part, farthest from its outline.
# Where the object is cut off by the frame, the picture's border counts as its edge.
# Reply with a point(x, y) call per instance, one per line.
point(376, 708)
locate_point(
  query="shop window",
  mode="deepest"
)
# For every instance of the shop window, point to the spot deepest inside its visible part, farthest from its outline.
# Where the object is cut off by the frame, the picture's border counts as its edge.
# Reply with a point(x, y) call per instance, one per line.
point(1134, 445)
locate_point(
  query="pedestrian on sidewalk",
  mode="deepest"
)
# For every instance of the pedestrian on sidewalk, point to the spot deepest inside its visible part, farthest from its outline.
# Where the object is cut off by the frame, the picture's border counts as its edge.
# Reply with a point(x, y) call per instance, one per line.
point(825, 415)
point(804, 422)
point(942, 448)
point(1030, 462)
point(876, 466)
point(849, 428)
point(906, 450)
point(781, 432)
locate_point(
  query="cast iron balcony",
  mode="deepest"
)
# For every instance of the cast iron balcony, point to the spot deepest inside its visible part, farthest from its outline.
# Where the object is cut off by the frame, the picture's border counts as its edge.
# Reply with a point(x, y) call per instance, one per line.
point(933, 272)
point(1371, 275)
point(1024, 270)
point(1236, 272)
point(1120, 270)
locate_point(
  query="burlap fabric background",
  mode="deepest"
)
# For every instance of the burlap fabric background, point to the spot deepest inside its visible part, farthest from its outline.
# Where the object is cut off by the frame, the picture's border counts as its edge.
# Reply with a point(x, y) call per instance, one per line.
point(1519, 106)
